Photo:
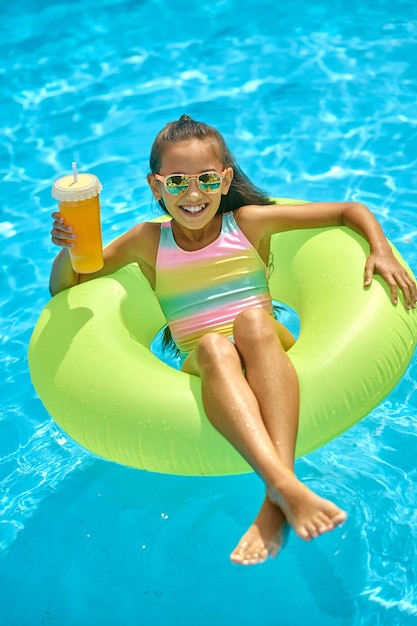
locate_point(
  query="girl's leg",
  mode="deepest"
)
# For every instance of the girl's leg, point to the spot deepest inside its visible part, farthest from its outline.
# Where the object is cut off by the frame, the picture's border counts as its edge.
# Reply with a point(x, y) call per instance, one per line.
point(280, 415)
point(237, 412)
point(265, 537)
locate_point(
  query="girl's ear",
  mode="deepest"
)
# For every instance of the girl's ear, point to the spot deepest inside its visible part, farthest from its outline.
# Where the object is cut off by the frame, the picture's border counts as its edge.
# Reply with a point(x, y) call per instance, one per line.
point(155, 188)
point(227, 180)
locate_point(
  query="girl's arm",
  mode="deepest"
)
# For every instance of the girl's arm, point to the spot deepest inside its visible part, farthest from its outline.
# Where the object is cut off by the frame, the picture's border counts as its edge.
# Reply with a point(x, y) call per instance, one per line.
point(138, 245)
point(62, 275)
point(260, 223)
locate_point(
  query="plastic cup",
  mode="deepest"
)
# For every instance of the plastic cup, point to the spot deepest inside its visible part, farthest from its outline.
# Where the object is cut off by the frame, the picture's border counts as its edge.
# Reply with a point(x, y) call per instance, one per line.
point(79, 203)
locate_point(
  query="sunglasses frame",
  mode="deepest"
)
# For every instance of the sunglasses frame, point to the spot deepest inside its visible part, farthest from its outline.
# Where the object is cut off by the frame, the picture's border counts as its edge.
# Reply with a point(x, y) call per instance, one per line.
point(163, 180)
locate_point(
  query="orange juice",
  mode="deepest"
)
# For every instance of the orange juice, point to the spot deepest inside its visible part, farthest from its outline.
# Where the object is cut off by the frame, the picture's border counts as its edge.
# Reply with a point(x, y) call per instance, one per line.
point(79, 204)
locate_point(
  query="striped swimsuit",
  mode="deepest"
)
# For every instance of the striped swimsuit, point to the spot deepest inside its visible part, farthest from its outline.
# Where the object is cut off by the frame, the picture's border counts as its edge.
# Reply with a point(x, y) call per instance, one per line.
point(204, 290)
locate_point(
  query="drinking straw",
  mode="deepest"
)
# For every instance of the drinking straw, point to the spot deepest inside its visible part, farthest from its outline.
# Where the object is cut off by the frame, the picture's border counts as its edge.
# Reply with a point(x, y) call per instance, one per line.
point(74, 171)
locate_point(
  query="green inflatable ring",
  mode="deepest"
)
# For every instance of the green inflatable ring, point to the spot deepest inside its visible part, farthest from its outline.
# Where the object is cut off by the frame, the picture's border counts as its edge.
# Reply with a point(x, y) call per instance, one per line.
point(91, 365)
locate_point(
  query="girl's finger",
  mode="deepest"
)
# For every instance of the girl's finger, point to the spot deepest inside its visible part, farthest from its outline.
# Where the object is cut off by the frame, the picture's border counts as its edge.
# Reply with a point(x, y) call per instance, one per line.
point(62, 238)
point(394, 292)
point(369, 273)
point(60, 226)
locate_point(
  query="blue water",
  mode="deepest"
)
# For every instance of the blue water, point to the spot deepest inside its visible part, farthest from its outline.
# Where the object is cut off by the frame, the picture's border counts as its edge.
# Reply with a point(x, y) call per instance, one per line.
point(317, 100)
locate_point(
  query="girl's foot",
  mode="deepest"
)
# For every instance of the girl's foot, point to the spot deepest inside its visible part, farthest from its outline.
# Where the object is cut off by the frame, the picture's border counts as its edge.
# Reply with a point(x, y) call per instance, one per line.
point(307, 513)
point(265, 537)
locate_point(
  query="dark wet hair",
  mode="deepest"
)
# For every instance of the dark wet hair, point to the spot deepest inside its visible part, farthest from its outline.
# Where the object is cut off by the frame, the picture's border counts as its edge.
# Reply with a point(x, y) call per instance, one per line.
point(242, 191)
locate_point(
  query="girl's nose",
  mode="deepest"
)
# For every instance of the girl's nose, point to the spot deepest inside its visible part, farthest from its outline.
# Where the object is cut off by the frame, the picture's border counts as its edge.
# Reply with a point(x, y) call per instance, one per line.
point(193, 189)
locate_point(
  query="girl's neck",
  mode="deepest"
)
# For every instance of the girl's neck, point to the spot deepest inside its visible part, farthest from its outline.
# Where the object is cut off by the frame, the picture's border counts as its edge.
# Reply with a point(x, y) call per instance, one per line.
point(190, 240)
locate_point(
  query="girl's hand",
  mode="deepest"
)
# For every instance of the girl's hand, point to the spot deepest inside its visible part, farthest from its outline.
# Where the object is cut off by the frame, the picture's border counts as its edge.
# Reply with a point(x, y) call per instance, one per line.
point(61, 234)
point(395, 275)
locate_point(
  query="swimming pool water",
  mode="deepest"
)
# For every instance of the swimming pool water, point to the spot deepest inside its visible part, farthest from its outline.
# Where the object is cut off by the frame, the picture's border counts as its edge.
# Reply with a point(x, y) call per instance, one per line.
point(317, 101)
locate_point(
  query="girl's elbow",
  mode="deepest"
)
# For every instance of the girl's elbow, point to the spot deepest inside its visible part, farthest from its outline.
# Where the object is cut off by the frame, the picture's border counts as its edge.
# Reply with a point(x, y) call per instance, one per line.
point(351, 211)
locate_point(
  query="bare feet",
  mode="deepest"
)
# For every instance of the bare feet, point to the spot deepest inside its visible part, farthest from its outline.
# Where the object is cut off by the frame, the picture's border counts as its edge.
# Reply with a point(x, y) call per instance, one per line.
point(264, 538)
point(307, 513)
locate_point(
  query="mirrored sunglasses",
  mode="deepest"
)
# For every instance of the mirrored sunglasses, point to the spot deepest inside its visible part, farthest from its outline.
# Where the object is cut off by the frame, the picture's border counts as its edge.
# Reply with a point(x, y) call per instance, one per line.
point(176, 184)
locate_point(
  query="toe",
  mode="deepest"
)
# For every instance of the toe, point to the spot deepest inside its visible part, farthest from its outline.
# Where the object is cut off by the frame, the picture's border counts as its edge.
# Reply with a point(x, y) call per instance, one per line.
point(238, 555)
point(258, 557)
point(304, 532)
point(339, 518)
point(249, 555)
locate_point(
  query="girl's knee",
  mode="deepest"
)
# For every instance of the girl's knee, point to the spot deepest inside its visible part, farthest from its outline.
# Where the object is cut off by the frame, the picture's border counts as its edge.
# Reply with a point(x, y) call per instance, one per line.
point(255, 325)
point(214, 349)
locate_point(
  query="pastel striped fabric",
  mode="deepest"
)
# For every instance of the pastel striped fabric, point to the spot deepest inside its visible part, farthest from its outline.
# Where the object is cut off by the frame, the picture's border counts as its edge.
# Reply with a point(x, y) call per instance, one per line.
point(204, 290)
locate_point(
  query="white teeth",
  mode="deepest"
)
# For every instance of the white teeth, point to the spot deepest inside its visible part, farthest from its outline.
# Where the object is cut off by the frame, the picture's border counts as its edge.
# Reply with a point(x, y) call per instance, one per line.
point(193, 209)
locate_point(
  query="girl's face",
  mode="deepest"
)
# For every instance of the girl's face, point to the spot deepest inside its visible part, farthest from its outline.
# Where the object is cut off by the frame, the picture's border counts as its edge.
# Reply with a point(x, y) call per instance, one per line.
point(194, 208)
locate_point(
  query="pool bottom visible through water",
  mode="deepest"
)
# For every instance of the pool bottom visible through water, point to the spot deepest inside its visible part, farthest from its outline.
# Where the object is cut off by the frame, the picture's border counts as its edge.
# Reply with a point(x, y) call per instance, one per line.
point(316, 101)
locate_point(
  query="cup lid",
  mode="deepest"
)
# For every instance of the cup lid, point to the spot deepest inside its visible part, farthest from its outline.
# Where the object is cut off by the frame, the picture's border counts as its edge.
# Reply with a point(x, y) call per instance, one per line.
point(87, 186)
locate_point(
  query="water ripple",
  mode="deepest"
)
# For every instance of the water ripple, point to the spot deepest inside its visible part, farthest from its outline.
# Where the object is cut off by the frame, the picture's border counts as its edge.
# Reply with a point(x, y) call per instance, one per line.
point(321, 107)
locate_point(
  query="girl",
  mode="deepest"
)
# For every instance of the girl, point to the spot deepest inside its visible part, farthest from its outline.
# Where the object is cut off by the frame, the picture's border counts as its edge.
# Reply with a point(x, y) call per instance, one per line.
point(208, 267)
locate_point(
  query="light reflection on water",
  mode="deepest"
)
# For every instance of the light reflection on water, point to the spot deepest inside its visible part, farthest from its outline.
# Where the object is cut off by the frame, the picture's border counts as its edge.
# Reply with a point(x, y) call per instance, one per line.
point(321, 108)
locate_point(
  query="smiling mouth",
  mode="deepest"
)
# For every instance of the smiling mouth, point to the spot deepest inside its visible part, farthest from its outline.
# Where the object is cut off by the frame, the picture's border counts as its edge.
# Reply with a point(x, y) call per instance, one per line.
point(193, 209)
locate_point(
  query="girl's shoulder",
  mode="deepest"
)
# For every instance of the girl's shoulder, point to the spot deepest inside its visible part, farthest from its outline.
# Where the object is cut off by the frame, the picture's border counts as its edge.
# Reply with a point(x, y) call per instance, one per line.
point(247, 218)
point(252, 219)
point(145, 229)
point(139, 244)
point(260, 222)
